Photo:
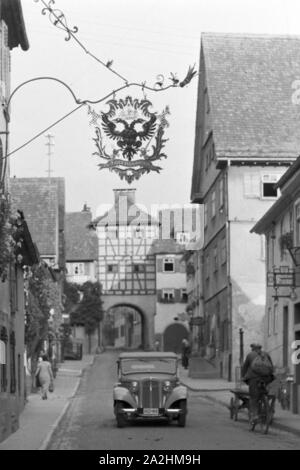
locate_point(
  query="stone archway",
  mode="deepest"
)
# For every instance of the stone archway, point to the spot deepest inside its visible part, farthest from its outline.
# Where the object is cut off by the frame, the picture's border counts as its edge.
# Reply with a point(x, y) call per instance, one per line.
point(122, 328)
point(173, 336)
point(144, 305)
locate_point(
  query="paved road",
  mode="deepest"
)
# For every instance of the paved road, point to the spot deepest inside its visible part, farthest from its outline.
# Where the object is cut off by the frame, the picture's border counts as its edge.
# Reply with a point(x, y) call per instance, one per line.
point(90, 423)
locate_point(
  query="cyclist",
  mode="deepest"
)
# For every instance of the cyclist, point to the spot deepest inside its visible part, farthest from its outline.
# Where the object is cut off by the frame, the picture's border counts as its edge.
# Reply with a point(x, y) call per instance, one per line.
point(257, 368)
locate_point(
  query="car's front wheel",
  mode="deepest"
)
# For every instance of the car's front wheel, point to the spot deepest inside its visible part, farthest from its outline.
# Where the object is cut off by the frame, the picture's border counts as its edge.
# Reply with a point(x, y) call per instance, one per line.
point(120, 416)
point(183, 412)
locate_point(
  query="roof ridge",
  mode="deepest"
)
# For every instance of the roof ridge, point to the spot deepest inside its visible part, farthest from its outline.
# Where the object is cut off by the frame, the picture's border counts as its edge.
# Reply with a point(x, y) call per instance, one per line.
point(251, 35)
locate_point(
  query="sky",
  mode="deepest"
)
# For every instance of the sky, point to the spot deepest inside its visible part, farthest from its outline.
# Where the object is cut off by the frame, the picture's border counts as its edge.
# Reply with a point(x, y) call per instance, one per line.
point(144, 38)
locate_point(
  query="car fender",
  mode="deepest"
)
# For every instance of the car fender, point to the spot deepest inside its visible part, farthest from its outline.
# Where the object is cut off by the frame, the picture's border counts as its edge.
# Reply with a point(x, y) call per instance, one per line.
point(123, 394)
point(178, 393)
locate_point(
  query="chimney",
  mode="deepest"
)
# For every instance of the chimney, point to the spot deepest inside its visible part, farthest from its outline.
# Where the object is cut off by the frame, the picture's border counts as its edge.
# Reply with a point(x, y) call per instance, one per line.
point(125, 193)
point(86, 208)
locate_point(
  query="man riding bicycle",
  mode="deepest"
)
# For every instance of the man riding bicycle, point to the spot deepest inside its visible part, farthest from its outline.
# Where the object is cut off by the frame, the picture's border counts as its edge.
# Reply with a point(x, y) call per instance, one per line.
point(257, 368)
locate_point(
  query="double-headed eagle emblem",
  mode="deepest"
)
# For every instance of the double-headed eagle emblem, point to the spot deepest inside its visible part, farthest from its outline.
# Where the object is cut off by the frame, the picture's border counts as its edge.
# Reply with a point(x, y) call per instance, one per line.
point(133, 137)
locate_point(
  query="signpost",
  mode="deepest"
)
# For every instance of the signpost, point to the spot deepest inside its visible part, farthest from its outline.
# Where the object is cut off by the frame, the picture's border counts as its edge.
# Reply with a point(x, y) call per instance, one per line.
point(284, 276)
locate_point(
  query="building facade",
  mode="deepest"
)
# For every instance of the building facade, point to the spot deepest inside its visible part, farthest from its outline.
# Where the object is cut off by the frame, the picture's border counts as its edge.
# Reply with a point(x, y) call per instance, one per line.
point(171, 319)
point(281, 228)
point(81, 264)
point(126, 266)
point(194, 287)
point(245, 140)
point(12, 379)
point(42, 200)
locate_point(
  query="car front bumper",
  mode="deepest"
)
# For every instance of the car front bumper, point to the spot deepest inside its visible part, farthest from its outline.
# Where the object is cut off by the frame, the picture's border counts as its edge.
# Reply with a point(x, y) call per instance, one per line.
point(161, 413)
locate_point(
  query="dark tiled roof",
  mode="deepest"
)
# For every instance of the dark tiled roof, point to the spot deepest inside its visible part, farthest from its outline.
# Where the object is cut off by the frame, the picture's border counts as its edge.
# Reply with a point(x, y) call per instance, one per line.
point(43, 207)
point(249, 83)
point(81, 242)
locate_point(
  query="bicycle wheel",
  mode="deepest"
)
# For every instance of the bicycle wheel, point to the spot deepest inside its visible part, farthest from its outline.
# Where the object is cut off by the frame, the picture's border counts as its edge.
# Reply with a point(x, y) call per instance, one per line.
point(265, 414)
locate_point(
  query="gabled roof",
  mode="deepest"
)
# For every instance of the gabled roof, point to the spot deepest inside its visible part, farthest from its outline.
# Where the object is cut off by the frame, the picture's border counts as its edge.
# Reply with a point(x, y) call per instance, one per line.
point(81, 242)
point(250, 80)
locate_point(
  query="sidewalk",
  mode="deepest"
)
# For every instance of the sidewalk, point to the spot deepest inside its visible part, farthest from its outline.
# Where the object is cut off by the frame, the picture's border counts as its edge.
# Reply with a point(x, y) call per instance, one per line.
point(218, 391)
point(40, 417)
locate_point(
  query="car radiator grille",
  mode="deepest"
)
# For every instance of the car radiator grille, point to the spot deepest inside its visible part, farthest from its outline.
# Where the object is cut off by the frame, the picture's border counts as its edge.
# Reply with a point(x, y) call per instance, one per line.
point(151, 396)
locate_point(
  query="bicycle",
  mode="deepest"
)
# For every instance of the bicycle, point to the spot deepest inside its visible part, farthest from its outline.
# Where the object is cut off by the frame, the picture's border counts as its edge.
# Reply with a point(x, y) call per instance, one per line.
point(265, 409)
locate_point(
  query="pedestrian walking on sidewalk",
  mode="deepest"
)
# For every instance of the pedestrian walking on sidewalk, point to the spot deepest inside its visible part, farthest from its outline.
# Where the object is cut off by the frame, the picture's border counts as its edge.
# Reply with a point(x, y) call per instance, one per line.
point(45, 375)
point(185, 353)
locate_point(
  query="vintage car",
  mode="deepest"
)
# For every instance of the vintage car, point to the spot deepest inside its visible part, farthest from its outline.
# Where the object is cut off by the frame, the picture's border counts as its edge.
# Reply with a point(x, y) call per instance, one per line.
point(149, 388)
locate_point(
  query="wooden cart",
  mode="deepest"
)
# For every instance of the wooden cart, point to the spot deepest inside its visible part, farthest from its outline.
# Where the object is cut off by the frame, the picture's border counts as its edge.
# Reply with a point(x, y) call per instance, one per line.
point(240, 401)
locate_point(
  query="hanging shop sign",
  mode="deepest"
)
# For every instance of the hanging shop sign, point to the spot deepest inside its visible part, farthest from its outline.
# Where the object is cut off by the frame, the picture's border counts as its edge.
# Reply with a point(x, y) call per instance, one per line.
point(129, 137)
point(283, 276)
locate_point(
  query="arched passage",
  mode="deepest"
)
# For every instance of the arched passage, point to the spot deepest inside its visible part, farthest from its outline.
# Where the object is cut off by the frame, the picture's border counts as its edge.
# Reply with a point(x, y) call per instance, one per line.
point(143, 305)
point(173, 336)
point(123, 327)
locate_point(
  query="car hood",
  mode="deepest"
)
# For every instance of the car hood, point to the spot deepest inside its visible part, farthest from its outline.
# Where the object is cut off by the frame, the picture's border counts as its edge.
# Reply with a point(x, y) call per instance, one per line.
point(141, 377)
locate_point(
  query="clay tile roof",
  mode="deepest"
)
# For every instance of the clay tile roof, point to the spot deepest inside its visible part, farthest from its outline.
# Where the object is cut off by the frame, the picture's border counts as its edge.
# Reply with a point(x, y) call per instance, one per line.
point(81, 242)
point(250, 88)
point(43, 207)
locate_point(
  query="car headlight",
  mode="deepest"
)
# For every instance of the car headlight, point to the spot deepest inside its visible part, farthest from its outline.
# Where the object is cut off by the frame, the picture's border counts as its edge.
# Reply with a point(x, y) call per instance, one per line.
point(167, 386)
point(134, 386)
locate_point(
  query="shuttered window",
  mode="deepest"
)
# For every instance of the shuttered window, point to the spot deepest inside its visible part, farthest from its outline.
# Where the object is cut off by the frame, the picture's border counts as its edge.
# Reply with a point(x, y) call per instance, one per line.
point(251, 185)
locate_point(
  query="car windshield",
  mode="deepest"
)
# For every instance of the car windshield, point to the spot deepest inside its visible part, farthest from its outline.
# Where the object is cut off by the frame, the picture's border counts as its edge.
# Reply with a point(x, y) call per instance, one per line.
point(151, 365)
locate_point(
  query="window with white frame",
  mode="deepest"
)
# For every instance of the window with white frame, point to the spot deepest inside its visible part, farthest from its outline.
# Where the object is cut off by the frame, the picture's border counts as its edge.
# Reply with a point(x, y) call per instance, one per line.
point(168, 265)
point(168, 295)
point(268, 190)
point(112, 268)
point(138, 268)
point(213, 204)
point(221, 194)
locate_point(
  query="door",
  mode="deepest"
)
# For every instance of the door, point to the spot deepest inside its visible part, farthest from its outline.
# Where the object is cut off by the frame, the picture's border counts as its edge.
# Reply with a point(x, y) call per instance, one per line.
point(173, 336)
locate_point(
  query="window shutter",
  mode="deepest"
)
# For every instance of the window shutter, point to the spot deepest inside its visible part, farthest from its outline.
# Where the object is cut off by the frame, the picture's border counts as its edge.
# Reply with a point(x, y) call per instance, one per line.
point(251, 185)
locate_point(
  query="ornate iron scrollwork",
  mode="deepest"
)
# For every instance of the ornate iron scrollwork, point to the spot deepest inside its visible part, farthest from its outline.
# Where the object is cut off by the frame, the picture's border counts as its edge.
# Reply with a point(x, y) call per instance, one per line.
point(57, 18)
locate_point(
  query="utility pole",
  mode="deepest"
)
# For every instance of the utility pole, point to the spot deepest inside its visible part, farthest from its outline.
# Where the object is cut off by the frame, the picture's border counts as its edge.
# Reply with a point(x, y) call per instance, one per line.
point(49, 144)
